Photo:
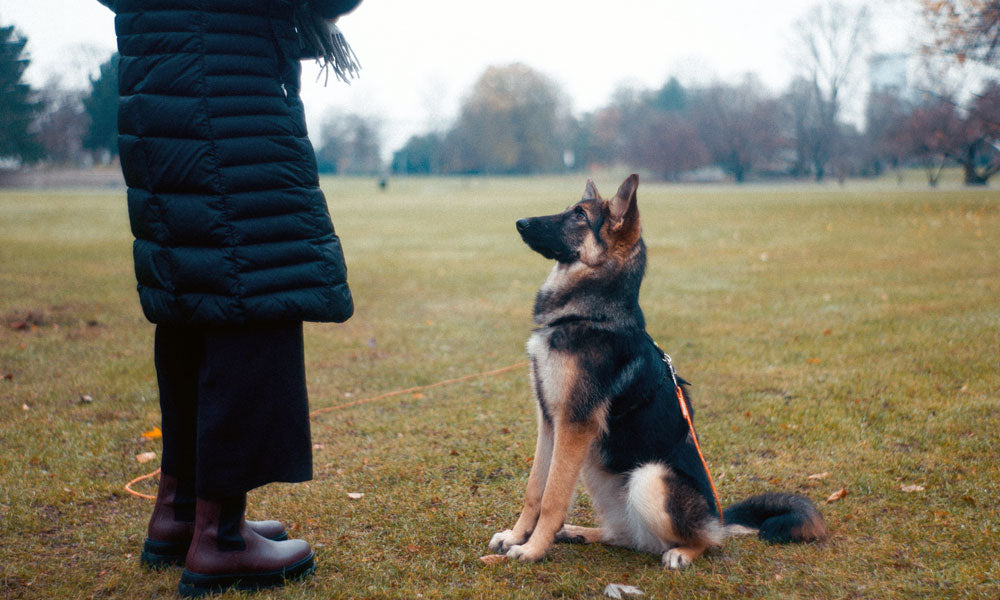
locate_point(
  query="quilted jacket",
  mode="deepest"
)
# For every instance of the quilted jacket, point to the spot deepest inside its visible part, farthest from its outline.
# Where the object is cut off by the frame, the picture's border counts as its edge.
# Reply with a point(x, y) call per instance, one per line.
point(223, 197)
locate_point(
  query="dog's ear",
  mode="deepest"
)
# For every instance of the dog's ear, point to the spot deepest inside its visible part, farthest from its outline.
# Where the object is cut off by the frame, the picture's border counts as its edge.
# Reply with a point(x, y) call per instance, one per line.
point(590, 193)
point(623, 208)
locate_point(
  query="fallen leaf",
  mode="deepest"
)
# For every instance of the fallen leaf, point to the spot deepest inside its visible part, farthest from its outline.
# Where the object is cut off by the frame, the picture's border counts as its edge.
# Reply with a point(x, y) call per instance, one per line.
point(492, 559)
point(827, 332)
point(418, 396)
point(412, 548)
point(813, 361)
point(969, 500)
point(911, 488)
point(8, 376)
point(355, 495)
point(615, 590)
point(153, 434)
point(25, 407)
point(822, 475)
point(838, 495)
point(87, 399)
point(145, 457)
point(318, 446)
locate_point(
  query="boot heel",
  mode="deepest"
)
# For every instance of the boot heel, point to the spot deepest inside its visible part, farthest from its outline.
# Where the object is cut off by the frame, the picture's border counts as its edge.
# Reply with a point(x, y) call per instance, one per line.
point(162, 555)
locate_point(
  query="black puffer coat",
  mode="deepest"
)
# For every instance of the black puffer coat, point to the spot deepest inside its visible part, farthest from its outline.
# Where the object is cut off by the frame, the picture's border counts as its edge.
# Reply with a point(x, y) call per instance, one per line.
point(223, 198)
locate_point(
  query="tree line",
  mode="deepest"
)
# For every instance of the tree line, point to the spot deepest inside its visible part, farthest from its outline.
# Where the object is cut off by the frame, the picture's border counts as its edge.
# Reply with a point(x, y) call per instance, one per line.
point(516, 120)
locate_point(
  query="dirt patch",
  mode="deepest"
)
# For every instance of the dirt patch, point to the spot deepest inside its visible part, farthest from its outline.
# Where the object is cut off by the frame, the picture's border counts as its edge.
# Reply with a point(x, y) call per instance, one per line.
point(28, 321)
point(33, 319)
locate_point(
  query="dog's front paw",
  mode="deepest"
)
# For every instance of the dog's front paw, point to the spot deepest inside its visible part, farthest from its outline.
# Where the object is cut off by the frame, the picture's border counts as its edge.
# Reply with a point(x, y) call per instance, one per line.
point(525, 553)
point(675, 560)
point(501, 542)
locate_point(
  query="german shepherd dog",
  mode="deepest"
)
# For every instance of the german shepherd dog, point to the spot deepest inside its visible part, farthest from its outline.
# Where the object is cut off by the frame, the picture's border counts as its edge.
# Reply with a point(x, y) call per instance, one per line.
point(608, 408)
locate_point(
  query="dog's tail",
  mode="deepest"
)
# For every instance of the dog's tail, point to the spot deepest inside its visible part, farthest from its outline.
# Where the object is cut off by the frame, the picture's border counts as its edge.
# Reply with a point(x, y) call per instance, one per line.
point(778, 518)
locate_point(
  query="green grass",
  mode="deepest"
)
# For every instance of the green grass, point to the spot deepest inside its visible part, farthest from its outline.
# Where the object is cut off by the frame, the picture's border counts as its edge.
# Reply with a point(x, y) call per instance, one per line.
point(851, 330)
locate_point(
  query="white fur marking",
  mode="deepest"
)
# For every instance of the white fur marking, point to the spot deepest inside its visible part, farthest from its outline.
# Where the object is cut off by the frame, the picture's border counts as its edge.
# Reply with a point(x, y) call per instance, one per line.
point(646, 506)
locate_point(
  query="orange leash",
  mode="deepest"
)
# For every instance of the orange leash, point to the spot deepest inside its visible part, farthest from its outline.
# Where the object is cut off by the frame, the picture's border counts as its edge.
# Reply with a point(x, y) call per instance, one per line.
point(419, 388)
point(687, 417)
point(128, 486)
point(697, 446)
point(410, 390)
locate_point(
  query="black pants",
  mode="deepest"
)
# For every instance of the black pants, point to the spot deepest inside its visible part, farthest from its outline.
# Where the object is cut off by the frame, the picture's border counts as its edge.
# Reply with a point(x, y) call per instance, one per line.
point(234, 404)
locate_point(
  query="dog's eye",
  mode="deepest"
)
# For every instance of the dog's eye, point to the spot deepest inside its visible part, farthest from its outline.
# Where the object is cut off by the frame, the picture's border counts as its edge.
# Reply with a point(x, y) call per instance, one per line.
point(579, 215)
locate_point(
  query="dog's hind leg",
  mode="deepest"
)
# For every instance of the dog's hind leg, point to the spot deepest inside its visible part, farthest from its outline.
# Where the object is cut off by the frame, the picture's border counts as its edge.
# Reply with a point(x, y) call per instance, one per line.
point(574, 534)
point(668, 517)
point(607, 494)
point(682, 556)
point(502, 541)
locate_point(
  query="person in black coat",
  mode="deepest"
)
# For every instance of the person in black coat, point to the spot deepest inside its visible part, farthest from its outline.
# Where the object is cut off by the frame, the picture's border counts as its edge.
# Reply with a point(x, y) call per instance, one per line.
point(234, 249)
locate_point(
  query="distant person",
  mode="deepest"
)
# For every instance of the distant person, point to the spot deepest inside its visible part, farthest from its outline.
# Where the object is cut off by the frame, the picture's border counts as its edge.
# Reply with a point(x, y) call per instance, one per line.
point(234, 250)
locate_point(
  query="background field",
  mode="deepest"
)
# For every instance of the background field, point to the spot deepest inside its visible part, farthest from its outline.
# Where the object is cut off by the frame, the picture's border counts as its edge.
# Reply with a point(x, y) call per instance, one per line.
point(851, 331)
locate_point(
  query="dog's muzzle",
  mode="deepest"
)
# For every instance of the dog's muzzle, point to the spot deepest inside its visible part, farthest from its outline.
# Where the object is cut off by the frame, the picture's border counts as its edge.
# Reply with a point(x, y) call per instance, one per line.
point(542, 235)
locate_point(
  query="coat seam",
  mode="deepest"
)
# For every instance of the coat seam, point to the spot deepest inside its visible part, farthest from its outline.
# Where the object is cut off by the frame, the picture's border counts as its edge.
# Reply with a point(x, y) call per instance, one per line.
point(222, 189)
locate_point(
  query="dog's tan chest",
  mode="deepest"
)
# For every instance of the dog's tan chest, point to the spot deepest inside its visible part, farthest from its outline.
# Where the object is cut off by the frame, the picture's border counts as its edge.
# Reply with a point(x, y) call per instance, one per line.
point(552, 371)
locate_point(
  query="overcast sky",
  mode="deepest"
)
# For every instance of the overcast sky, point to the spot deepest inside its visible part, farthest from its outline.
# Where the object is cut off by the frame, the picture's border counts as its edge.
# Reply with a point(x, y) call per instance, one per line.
point(419, 58)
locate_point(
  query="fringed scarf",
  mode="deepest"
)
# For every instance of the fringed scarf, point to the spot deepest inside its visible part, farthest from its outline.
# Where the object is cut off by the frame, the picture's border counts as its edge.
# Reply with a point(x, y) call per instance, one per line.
point(322, 38)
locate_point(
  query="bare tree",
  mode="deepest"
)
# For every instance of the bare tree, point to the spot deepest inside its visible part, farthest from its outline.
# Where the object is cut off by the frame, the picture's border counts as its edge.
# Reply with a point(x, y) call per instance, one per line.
point(739, 125)
point(515, 120)
point(927, 134)
point(350, 143)
point(978, 147)
point(885, 112)
point(834, 38)
point(668, 144)
point(62, 123)
point(965, 29)
point(938, 132)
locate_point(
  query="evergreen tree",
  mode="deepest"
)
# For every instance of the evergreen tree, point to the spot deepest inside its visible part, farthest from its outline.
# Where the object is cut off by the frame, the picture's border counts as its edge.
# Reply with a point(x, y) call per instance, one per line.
point(101, 105)
point(17, 105)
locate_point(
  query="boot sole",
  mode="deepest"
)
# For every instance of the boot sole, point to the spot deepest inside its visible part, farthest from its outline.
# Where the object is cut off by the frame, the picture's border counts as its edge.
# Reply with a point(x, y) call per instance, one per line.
point(193, 585)
point(163, 555)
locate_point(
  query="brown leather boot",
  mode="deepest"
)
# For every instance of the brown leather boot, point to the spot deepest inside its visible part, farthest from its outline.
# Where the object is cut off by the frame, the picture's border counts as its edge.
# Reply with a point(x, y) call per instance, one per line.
point(172, 525)
point(227, 553)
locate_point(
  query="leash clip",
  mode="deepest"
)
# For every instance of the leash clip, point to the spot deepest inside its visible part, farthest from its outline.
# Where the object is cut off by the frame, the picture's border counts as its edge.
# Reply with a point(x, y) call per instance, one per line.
point(670, 367)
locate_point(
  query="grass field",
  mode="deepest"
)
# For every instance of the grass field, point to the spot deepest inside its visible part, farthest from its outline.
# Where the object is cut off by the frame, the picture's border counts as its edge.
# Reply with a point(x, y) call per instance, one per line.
point(853, 331)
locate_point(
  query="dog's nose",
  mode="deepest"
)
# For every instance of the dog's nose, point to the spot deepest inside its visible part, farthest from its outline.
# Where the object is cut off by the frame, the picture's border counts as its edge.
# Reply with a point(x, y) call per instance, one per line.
point(523, 224)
